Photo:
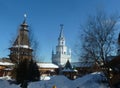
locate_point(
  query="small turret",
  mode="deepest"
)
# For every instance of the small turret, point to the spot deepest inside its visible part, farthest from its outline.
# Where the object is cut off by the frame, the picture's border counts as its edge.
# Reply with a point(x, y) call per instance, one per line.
point(52, 52)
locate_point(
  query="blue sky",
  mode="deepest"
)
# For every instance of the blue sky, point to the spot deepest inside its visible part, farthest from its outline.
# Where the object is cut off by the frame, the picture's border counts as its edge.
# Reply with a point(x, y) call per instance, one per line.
point(44, 18)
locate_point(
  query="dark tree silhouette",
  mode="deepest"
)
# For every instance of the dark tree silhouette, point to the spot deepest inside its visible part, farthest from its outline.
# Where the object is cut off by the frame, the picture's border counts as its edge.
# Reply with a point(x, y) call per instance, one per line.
point(26, 71)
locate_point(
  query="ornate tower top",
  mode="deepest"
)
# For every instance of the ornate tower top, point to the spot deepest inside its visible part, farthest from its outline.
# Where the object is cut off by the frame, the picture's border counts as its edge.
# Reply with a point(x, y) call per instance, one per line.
point(25, 16)
point(61, 31)
point(23, 35)
point(24, 24)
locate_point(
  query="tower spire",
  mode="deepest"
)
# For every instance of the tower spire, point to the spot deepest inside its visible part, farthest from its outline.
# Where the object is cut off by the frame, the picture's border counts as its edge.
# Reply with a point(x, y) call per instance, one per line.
point(61, 55)
point(25, 16)
point(61, 39)
point(24, 24)
point(61, 30)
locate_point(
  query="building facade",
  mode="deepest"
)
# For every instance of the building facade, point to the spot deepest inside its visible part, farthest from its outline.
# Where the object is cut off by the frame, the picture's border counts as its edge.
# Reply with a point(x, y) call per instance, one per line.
point(62, 55)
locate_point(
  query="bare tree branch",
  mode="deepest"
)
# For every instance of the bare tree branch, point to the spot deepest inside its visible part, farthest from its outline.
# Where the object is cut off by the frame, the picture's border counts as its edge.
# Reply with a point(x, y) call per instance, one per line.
point(98, 39)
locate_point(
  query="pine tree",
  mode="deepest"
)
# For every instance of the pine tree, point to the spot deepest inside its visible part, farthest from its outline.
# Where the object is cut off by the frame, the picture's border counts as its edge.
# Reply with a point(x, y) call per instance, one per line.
point(26, 71)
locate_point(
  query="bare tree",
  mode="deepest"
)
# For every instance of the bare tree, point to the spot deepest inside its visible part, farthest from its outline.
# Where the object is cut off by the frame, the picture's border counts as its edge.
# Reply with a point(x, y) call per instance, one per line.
point(34, 43)
point(98, 40)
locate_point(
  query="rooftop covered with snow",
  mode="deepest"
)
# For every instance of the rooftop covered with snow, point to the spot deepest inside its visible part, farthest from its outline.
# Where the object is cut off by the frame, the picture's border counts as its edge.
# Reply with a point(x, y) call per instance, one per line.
point(47, 65)
point(22, 46)
point(6, 63)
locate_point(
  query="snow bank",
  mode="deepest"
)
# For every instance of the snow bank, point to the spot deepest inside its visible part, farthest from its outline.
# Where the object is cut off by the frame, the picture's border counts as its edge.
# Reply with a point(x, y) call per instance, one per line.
point(6, 84)
point(45, 77)
point(88, 81)
point(59, 81)
point(6, 77)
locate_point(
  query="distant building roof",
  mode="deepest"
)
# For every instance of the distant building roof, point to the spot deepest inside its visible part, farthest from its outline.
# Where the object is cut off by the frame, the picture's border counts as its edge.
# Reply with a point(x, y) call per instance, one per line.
point(47, 65)
point(82, 64)
point(68, 67)
point(69, 70)
point(6, 63)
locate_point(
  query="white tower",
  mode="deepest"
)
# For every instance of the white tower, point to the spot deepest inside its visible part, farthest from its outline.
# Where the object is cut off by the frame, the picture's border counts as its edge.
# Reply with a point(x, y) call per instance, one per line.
point(118, 52)
point(61, 56)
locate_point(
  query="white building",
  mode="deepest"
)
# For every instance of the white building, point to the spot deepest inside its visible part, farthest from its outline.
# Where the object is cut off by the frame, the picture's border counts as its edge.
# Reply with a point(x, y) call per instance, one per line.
point(62, 55)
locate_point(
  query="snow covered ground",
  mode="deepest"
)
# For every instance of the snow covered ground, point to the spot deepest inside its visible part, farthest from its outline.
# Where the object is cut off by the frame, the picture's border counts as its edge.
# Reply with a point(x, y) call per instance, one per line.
point(88, 81)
